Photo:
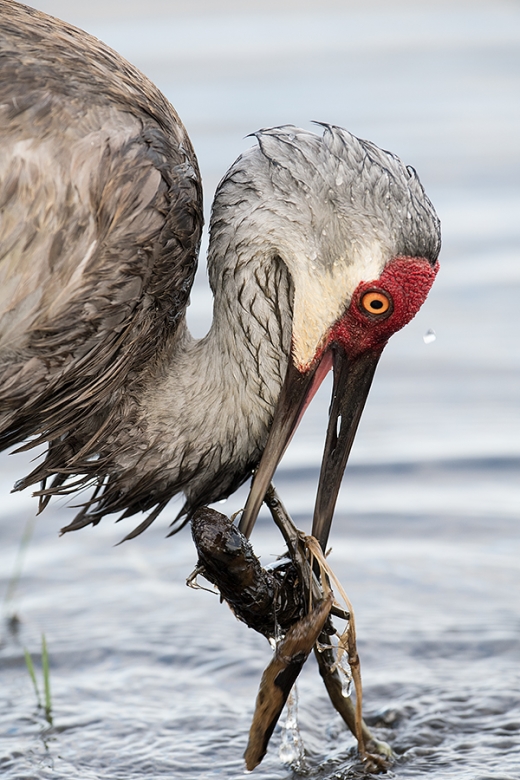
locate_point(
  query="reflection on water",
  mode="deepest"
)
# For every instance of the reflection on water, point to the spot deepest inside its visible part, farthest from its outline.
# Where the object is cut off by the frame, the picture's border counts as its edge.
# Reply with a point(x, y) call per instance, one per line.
point(151, 679)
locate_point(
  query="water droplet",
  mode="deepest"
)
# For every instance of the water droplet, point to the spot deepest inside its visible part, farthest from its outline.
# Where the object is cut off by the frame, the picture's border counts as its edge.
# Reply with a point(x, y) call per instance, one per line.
point(345, 674)
point(339, 181)
point(275, 640)
point(287, 754)
point(291, 723)
point(429, 337)
point(346, 685)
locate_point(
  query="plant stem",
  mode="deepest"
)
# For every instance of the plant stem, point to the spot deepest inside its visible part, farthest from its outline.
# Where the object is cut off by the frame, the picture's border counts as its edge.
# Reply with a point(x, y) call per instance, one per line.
point(32, 674)
point(46, 681)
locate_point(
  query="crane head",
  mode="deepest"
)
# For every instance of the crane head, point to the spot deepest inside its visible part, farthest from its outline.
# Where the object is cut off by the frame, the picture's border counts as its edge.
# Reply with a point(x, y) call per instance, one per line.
point(362, 265)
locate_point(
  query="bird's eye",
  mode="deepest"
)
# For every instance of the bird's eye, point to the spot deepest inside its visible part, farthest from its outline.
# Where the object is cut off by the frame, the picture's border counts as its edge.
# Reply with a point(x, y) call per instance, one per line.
point(375, 302)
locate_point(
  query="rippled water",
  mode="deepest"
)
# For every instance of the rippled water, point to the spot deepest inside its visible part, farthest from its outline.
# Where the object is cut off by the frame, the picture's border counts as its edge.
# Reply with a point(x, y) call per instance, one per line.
point(152, 679)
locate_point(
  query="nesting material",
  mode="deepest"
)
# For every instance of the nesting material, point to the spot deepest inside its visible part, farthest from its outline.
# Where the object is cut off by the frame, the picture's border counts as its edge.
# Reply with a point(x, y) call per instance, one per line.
point(278, 679)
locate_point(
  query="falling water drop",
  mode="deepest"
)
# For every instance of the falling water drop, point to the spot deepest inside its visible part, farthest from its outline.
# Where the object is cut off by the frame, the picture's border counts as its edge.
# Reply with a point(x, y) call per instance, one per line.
point(287, 755)
point(345, 674)
point(275, 640)
point(430, 336)
point(291, 745)
point(346, 685)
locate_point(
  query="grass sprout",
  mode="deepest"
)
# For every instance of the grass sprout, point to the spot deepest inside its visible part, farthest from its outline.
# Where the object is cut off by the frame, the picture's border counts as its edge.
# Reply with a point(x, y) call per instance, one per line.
point(46, 681)
point(47, 698)
point(32, 674)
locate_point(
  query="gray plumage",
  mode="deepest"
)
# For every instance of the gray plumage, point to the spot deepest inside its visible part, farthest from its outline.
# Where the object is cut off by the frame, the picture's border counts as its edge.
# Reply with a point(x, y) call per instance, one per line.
point(100, 223)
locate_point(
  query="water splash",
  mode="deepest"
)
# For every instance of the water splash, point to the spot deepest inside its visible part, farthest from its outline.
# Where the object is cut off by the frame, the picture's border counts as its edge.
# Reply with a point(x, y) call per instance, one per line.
point(291, 746)
point(430, 336)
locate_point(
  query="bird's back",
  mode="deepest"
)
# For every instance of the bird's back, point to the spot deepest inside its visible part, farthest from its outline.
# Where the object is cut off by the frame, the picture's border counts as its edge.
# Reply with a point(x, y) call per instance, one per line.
point(100, 222)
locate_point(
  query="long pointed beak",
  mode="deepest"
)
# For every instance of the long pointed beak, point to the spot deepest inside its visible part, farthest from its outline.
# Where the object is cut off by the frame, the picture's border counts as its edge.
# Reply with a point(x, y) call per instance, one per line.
point(352, 381)
point(296, 394)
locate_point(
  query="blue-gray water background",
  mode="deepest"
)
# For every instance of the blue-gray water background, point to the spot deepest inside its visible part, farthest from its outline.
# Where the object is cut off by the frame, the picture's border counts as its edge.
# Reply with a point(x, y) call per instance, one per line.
point(151, 679)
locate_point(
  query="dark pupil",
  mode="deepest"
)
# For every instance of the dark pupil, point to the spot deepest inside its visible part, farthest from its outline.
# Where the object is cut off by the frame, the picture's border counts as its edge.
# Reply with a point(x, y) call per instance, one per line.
point(376, 304)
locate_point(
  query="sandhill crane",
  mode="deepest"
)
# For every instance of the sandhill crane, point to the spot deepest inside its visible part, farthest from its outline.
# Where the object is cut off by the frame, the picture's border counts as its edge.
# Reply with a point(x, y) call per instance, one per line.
point(321, 247)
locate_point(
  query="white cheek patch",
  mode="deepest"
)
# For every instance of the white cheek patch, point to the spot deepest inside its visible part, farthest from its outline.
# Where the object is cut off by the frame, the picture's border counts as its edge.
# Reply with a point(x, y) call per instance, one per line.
point(322, 295)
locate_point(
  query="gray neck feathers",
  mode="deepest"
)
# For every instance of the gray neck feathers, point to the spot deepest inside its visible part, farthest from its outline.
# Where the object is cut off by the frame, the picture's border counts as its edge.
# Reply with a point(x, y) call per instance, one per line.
point(210, 412)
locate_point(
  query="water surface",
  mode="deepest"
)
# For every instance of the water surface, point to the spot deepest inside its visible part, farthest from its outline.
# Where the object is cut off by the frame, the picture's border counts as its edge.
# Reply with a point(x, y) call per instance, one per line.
point(151, 679)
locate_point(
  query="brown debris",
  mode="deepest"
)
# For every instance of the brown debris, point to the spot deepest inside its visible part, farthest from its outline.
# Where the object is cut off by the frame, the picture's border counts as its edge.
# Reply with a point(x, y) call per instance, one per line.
point(293, 601)
point(267, 601)
point(280, 676)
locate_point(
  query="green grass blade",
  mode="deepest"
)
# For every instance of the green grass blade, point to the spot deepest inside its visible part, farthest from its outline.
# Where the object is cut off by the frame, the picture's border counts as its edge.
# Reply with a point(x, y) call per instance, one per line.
point(32, 675)
point(46, 681)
